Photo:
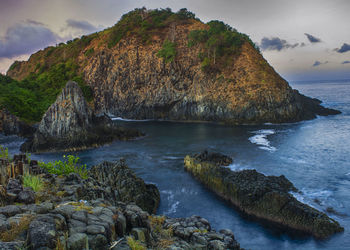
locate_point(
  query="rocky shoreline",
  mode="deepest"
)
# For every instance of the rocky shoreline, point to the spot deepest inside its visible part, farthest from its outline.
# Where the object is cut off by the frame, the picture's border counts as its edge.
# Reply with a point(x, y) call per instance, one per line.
point(266, 198)
point(96, 213)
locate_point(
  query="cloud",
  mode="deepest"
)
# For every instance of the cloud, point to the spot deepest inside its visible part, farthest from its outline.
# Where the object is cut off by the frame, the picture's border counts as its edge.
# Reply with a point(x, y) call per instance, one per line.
point(81, 25)
point(312, 39)
point(318, 63)
point(25, 38)
point(345, 62)
point(344, 48)
point(276, 43)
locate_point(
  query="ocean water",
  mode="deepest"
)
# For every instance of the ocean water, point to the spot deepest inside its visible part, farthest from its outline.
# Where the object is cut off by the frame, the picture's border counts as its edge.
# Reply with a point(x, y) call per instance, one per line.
point(314, 155)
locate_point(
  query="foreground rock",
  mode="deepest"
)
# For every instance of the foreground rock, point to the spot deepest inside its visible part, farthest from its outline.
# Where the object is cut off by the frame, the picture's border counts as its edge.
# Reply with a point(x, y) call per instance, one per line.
point(69, 125)
point(11, 125)
point(75, 213)
point(263, 197)
point(129, 187)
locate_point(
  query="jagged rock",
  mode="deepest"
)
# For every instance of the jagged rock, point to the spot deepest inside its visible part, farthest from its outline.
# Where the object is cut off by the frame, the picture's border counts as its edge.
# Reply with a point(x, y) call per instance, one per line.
point(78, 241)
point(70, 125)
point(264, 197)
point(128, 186)
point(11, 125)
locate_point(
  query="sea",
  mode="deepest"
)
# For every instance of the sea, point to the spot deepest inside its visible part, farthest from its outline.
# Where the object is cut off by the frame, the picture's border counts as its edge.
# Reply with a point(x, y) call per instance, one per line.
point(314, 155)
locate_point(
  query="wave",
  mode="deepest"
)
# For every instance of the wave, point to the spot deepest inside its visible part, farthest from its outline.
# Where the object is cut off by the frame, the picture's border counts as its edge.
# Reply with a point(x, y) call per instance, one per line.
point(260, 138)
point(317, 198)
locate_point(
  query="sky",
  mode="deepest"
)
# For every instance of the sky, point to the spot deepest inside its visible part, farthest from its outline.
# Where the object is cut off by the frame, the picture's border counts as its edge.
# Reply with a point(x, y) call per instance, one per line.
point(301, 39)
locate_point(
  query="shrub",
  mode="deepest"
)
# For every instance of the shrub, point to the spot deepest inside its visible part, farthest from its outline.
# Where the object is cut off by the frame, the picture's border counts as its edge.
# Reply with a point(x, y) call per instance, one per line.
point(70, 164)
point(34, 182)
point(168, 51)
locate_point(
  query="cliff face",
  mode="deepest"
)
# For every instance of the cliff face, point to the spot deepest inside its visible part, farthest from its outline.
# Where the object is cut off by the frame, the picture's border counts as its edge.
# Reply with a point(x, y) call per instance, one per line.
point(10, 124)
point(131, 81)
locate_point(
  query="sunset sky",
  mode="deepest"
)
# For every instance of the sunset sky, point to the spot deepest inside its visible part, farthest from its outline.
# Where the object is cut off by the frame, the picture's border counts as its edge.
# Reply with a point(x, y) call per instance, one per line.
point(302, 40)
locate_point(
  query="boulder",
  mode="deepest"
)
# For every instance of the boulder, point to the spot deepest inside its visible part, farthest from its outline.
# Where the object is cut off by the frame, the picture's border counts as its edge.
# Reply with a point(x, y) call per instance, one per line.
point(263, 197)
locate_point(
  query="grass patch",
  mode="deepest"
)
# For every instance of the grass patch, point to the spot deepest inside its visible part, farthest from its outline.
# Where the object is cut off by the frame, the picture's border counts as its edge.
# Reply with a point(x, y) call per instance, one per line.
point(34, 182)
point(70, 164)
point(16, 229)
point(135, 244)
point(168, 51)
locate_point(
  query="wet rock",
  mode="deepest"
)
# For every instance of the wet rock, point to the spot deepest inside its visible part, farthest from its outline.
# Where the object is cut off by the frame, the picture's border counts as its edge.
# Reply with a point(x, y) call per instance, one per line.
point(10, 210)
point(14, 186)
point(264, 197)
point(42, 232)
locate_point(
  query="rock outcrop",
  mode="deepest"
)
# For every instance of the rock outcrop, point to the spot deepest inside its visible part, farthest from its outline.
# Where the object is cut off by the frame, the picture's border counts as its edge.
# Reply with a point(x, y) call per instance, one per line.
point(69, 124)
point(266, 198)
point(129, 79)
point(75, 213)
point(11, 125)
point(128, 187)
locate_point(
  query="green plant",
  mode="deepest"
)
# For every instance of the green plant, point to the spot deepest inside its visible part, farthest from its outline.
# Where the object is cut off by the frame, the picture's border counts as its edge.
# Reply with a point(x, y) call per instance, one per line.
point(70, 164)
point(135, 244)
point(168, 51)
point(4, 153)
point(219, 43)
point(34, 182)
point(89, 52)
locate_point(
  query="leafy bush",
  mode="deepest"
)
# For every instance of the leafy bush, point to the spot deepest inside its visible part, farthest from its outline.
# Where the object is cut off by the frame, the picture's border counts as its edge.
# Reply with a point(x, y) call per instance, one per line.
point(89, 52)
point(70, 164)
point(34, 182)
point(168, 51)
point(219, 43)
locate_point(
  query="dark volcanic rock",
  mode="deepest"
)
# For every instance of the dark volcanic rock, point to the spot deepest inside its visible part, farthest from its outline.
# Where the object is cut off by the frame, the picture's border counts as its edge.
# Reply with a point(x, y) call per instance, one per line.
point(263, 197)
point(128, 186)
point(70, 125)
point(11, 125)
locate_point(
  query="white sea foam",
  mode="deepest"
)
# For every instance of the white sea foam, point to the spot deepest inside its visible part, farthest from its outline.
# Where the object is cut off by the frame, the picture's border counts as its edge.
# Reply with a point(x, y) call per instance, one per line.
point(237, 167)
point(174, 204)
point(173, 208)
point(128, 120)
point(314, 197)
point(260, 138)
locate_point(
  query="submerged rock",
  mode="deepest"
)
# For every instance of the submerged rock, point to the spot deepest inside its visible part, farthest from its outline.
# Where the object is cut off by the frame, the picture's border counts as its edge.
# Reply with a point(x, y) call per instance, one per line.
point(264, 197)
point(69, 125)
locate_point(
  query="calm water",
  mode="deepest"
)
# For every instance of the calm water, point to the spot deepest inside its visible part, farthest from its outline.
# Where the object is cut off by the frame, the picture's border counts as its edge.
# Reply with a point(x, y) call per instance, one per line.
point(314, 155)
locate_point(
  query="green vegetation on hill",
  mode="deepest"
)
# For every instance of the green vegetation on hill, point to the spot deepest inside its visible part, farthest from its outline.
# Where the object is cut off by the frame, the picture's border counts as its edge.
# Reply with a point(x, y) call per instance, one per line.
point(168, 51)
point(144, 23)
point(30, 98)
point(220, 43)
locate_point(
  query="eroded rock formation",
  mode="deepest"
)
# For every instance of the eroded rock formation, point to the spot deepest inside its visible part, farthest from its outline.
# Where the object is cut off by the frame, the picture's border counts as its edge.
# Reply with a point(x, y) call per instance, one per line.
point(69, 124)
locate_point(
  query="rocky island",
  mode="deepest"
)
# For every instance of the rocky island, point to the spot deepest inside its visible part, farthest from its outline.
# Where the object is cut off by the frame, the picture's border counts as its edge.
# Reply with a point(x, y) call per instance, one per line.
point(266, 198)
point(156, 64)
